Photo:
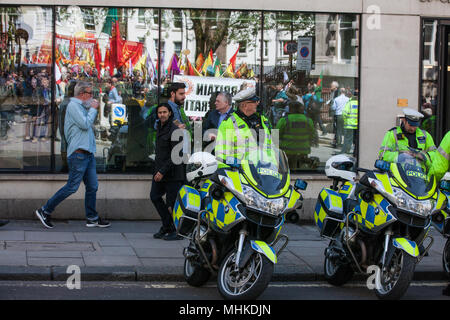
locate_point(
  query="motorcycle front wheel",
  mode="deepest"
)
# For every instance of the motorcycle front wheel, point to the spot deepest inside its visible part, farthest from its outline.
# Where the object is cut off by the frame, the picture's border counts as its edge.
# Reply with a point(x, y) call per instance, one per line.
point(446, 258)
point(393, 281)
point(195, 275)
point(336, 273)
point(247, 283)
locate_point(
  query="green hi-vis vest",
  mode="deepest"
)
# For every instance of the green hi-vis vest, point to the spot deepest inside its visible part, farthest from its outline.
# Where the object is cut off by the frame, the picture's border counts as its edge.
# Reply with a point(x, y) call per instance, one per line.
point(296, 134)
point(235, 139)
point(441, 158)
point(350, 114)
point(395, 141)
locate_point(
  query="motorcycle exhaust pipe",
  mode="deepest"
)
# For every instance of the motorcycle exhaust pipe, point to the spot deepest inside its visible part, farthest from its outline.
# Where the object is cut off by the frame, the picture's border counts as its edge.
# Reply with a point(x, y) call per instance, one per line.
point(214, 252)
point(363, 253)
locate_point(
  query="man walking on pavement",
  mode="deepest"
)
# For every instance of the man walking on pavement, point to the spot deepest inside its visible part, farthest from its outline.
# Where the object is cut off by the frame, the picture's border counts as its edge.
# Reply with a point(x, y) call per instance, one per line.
point(78, 130)
point(168, 177)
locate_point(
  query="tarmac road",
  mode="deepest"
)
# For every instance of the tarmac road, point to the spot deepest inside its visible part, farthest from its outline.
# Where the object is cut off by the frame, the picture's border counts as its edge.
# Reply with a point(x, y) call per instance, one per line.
point(56, 290)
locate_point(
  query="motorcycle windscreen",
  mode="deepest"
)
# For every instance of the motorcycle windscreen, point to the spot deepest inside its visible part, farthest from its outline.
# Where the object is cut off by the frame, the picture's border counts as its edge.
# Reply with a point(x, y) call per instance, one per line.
point(268, 170)
point(413, 175)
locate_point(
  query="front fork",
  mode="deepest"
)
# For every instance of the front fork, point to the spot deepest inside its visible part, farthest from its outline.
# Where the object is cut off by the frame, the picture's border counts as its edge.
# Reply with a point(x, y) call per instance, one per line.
point(242, 234)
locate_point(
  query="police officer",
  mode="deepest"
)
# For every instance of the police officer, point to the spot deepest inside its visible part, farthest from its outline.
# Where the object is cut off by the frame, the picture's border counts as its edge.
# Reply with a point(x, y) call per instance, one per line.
point(235, 137)
point(405, 137)
point(441, 158)
point(297, 134)
point(350, 118)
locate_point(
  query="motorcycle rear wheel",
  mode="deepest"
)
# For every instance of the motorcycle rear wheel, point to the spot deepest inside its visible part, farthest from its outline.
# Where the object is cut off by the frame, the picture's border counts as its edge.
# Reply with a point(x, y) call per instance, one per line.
point(247, 283)
point(446, 258)
point(393, 281)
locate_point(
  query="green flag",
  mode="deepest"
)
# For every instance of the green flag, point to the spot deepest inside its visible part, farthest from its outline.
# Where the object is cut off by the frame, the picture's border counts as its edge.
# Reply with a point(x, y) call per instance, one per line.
point(318, 89)
point(111, 18)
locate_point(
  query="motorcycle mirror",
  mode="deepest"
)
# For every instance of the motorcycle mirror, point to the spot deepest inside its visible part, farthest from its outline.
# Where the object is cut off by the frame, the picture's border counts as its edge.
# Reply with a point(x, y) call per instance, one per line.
point(382, 165)
point(300, 184)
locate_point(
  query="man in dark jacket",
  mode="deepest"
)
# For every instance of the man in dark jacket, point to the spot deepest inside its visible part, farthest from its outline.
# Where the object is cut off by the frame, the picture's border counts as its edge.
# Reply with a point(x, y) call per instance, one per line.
point(215, 117)
point(168, 177)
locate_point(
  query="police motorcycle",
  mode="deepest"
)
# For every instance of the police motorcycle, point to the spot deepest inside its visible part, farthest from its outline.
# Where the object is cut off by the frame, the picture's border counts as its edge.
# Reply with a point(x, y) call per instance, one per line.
point(232, 216)
point(379, 224)
point(441, 222)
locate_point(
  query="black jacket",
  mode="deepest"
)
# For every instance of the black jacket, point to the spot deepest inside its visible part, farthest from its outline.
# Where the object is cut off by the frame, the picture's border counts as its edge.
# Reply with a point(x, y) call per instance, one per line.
point(163, 151)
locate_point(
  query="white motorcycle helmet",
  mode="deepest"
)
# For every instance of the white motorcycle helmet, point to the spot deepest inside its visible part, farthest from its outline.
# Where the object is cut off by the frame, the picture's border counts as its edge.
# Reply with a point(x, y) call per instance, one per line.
point(340, 167)
point(200, 164)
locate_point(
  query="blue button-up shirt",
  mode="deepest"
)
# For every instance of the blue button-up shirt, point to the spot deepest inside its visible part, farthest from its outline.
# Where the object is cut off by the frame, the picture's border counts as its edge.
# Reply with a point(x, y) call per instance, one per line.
point(78, 127)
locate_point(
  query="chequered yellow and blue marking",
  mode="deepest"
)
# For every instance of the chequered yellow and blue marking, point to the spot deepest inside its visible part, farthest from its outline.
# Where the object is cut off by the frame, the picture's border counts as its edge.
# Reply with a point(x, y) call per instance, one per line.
point(190, 200)
point(374, 214)
point(224, 212)
point(332, 201)
point(346, 189)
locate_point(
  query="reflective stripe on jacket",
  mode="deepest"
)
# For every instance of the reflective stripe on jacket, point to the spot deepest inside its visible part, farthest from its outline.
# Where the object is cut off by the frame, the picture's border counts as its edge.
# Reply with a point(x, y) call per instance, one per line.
point(395, 141)
point(297, 133)
point(350, 114)
point(234, 138)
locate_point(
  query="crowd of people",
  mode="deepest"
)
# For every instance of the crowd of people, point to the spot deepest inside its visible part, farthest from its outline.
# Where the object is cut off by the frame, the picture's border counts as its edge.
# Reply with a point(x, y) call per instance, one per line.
point(289, 106)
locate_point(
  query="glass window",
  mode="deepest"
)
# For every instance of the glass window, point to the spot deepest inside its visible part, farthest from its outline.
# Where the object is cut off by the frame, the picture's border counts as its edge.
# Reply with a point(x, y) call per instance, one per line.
point(26, 120)
point(430, 72)
point(311, 85)
point(120, 60)
point(304, 67)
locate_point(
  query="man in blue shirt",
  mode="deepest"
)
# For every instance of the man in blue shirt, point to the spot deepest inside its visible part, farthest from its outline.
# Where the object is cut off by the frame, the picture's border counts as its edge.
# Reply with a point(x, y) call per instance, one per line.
point(78, 130)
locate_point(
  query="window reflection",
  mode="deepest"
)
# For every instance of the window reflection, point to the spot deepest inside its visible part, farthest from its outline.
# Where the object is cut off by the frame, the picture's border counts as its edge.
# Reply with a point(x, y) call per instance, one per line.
point(25, 88)
point(309, 65)
point(310, 85)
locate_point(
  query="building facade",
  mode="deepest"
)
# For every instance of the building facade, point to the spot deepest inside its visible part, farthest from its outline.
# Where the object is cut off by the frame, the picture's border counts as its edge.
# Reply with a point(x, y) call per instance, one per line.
point(388, 55)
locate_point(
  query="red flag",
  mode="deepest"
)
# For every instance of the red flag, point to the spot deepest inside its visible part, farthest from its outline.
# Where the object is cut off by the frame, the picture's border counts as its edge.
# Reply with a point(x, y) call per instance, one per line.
point(97, 58)
point(116, 45)
point(199, 62)
point(233, 59)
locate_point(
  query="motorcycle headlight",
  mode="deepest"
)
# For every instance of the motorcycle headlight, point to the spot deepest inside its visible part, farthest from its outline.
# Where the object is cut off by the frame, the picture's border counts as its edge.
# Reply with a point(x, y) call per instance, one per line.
point(405, 202)
point(254, 200)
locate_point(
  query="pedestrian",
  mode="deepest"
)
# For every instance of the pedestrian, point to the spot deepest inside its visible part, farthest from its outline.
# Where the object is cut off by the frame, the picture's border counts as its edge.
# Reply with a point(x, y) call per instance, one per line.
point(215, 117)
point(350, 121)
point(168, 177)
point(297, 135)
point(79, 133)
point(338, 106)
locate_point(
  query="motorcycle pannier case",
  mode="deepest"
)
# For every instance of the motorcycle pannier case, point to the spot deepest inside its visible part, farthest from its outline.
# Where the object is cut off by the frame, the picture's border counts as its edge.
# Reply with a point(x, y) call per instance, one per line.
point(328, 213)
point(186, 209)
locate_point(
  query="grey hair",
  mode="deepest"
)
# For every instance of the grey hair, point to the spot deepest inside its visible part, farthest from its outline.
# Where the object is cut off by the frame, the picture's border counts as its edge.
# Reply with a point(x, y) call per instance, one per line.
point(81, 87)
point(227, 96)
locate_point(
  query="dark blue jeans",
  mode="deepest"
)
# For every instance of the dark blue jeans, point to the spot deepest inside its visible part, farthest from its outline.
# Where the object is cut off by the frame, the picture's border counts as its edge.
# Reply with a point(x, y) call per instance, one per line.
point(81, 168)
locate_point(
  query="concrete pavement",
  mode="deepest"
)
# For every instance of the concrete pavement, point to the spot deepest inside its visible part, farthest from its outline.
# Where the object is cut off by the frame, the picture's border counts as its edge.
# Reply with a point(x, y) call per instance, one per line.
point(127, 252)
